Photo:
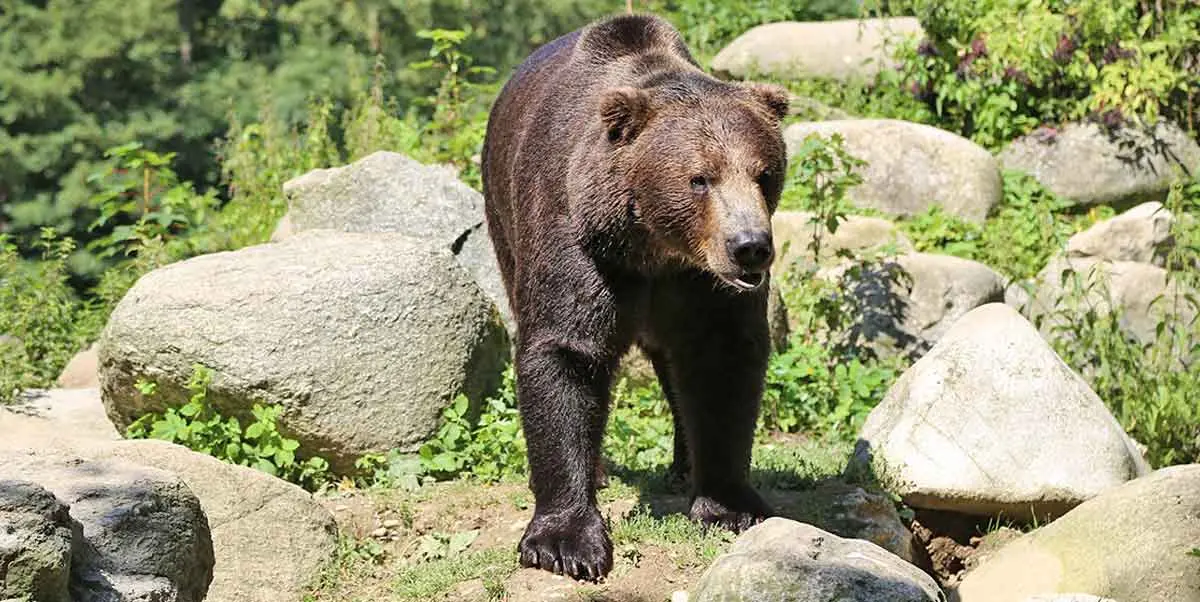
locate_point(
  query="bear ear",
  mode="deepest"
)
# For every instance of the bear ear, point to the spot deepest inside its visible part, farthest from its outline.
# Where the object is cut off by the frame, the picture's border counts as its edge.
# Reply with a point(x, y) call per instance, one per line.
point(624, 111)
point(775, 98)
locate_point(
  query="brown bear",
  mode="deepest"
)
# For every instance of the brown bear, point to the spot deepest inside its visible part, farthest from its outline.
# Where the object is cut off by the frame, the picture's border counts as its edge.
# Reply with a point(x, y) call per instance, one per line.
point(629, 198)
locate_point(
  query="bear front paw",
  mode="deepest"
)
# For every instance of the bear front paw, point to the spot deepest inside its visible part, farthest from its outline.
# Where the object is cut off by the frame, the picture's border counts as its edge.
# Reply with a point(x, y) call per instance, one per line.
point(737, 511)
point(571, 543)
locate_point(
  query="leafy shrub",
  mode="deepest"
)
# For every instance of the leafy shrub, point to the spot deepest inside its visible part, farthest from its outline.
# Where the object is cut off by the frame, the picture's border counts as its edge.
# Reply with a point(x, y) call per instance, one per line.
point(824, 381)
point(995, 69)
point(811, 389)
point(1029, 226)
point(820, 173)
point(490, 449)
point(198, 426)
point(1151, 388)
point(42, 322)
point(641, 430)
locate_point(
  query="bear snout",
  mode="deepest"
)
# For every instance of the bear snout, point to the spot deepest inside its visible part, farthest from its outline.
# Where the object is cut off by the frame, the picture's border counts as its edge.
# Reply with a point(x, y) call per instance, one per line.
point(751, 250)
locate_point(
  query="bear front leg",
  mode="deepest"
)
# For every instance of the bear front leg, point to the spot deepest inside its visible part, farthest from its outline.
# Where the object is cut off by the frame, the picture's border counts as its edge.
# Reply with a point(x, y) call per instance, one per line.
point(562, 389)
point(716, 345)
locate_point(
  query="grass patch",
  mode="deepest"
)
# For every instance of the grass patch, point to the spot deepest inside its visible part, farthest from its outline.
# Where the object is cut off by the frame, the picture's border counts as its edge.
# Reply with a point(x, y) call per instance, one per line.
point(427, 580)
point(691, 544)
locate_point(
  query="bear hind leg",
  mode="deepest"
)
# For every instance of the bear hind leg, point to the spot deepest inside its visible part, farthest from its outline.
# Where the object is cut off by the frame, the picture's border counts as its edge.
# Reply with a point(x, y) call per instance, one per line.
point(716, 346)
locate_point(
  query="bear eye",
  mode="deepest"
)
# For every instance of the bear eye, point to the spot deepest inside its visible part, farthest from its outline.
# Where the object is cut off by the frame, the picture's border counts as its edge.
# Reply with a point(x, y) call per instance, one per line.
point(699, 184)
point(764, 178)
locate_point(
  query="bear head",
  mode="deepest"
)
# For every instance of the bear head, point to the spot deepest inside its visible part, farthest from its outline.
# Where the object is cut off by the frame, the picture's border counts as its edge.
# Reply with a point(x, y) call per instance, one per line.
point(702, 163)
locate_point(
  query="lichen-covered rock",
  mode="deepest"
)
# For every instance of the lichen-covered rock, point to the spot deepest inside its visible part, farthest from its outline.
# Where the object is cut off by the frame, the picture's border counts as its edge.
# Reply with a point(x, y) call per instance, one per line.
point(781, 559)
point(847, 49)
point(992, 422)
point(857, 513)
point(1090, 165)
point(363, 339)
point(144, 536)
point(389, 192)
point(252, 516)
point(36, 535)
point(911, 167)
point(1131, 544)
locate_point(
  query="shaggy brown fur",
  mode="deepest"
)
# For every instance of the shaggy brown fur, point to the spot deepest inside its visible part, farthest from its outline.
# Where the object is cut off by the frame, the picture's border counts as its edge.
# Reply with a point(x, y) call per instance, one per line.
point(629, 198)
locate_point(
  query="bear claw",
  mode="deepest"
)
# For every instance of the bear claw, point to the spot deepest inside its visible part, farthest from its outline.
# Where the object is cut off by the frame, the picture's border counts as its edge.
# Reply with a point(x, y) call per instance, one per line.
point(735, 513)
point(575, 545)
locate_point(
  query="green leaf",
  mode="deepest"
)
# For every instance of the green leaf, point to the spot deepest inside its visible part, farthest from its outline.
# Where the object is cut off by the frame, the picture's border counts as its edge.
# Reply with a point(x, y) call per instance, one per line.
point(266, 466)
point(255, 430)
point(285, 457)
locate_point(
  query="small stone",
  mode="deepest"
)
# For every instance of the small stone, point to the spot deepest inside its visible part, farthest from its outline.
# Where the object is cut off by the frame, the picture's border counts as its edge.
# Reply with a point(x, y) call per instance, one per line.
point(781, 559)
point(379, 533)
point(391, 523)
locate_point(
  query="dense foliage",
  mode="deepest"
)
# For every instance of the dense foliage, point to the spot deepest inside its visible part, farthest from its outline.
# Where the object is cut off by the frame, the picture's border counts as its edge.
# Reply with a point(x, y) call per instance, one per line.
point(80, 76)
point(996, 69)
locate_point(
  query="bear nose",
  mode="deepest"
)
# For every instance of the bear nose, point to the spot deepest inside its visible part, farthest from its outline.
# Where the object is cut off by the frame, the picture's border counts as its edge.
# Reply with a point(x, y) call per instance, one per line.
point(751, 250)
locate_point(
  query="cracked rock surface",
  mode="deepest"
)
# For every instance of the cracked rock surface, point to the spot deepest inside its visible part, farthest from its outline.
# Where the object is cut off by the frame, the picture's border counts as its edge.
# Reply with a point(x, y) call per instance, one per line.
point(251, 515)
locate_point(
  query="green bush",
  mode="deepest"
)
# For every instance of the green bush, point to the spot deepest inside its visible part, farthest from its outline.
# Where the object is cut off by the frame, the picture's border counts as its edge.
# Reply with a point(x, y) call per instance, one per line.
point(198, 426)
point(1030, 226)
point(1151, 388)
point(994, 70)
point(490, 448)
point(81, 76)
point(42, 322)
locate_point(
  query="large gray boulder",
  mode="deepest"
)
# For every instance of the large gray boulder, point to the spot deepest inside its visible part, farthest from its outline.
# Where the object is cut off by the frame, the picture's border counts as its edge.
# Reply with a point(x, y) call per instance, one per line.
point(1090, 165)
point(1131, 544)
point(390, 192)
point(794, 232)
point(848, 49)
point(144, 536)
point(252, 516)
point(36, 535)
point(363, 339)
point(1142, 235)
point(911, 166)
point(780, 559)
point(992, 422)
point(903, 305)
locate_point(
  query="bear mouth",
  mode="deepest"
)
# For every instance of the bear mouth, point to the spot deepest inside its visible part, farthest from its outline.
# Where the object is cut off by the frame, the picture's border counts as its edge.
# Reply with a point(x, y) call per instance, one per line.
point(747, 281)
